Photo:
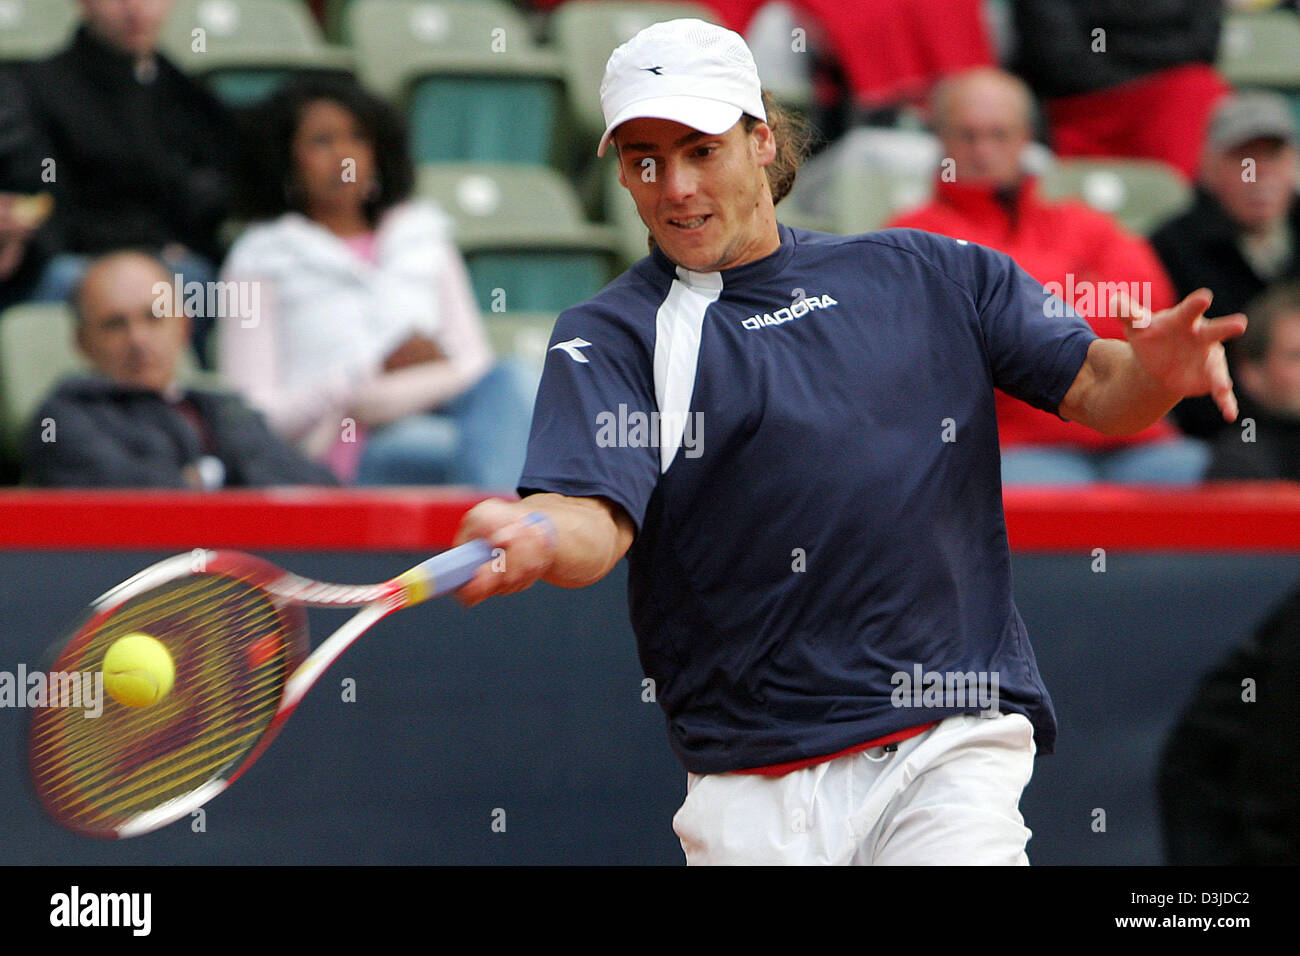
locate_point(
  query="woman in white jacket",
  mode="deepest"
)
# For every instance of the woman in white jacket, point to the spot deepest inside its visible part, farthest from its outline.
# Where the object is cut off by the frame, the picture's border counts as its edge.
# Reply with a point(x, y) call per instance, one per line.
point(364, 346)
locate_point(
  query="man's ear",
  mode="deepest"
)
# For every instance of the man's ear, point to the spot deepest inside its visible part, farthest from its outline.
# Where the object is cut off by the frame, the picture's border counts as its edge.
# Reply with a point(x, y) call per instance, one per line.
point(764, 141)
point(622, 179)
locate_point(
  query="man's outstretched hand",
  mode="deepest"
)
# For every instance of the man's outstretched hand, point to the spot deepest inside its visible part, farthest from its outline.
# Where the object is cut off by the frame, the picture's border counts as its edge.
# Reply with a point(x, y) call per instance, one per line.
point(1183, 350)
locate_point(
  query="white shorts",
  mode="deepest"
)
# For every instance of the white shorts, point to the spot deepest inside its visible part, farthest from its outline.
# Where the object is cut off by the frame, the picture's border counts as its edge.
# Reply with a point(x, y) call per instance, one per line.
point(949, 796)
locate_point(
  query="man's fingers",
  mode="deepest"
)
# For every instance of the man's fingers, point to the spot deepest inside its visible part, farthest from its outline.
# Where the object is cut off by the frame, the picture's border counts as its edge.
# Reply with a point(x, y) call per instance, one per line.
point(1227, 402)
point(523, 551)
point(1194, 305)
point(1221, 385)
point(1127, 311)
point(1224, 328)
point(1186, 312)
point(484, 519)
point(479, 588)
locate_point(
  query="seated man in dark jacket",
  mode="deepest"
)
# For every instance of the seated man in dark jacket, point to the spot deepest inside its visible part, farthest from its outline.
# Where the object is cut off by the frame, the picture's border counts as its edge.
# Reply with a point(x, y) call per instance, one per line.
point(1243, 232)
point(131, 424)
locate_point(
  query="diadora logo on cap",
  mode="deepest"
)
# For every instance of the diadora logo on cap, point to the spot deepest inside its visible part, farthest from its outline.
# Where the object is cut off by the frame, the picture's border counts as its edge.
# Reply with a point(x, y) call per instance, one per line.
point(801, 306)
point(656, 70)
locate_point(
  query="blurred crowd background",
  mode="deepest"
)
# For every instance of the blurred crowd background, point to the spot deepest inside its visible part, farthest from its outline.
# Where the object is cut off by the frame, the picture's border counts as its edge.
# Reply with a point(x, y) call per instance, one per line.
point(367, 213)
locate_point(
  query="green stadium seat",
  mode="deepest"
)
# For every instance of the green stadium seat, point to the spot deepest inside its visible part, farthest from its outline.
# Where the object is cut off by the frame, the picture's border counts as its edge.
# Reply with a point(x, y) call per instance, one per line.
point(521, 335)
point(244, 49)
point(334, 21)
point(521, 230)
point(472, 80)
point(587, 31)
point(1141, 194)
point(34, 29)
point(853, 198)
point(36, 350)
point(484, 119)
point(861, 181)
point(1261, 49)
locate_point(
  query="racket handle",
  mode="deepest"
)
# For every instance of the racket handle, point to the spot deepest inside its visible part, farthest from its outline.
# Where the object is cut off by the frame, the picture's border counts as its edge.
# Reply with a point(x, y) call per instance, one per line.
point(451, 569)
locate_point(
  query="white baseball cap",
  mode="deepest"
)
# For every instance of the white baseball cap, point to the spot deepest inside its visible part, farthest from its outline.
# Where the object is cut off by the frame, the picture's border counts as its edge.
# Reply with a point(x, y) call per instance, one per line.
point(690, 71)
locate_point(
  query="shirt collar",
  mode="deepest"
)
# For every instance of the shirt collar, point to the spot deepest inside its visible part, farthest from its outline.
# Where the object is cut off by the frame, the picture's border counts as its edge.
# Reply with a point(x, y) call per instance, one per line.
point(768, 265)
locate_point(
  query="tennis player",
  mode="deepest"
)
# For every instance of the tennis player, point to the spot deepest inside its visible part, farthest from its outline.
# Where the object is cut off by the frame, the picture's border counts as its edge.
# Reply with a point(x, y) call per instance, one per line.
point(791, 436)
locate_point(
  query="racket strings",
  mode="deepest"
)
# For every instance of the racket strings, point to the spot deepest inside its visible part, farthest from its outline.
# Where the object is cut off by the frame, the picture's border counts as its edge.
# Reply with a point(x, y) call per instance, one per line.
point(232, 646)
point(161, 732)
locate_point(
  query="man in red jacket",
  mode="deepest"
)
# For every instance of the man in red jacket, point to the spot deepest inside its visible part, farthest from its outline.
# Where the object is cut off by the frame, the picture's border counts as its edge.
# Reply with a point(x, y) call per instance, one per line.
point(983, 120)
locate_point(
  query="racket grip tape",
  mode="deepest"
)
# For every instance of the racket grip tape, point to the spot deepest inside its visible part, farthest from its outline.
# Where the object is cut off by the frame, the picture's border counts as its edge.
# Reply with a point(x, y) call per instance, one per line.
point(447, 571)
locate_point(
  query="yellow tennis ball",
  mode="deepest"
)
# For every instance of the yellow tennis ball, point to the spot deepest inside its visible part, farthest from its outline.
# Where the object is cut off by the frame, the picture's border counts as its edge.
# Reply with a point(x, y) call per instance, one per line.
point(138, 671)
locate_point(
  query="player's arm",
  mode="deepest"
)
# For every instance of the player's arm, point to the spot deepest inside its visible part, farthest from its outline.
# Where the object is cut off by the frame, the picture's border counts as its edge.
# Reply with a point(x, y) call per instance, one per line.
point(587, 538)
point(1123, 387)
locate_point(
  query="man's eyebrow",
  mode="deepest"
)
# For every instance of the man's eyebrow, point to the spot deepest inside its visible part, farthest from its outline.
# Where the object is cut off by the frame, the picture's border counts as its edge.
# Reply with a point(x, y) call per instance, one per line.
point(651, 147)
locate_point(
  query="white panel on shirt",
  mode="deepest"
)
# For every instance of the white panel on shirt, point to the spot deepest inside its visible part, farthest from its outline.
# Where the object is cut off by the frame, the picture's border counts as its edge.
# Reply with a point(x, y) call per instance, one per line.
point(677, 353)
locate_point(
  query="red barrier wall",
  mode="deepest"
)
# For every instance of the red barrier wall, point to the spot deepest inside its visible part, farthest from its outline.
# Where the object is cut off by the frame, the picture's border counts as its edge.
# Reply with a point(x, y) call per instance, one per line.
point(1229, 517)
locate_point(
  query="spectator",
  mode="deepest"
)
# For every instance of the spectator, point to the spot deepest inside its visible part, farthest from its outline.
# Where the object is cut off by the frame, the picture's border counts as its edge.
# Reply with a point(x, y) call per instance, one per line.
point(142, 152)
point(885, 53)
point(1123, 79)
point(1242, 232)
point(984, 120)
point(1267, 443)
point(369, 353)
point(25, 202)
point(130, 424)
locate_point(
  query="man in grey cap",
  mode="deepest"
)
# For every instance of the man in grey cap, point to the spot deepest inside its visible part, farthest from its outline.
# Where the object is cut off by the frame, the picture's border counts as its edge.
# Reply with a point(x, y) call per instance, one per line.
point(1242, 234)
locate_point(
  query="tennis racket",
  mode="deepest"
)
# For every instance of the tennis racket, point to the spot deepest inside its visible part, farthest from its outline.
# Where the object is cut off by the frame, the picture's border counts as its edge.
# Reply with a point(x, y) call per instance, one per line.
point(236, 628)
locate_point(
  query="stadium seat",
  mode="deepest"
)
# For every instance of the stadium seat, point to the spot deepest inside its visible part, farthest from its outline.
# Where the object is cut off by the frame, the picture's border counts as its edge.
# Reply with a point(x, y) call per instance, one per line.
point(862, 181)
point(334, 21)
point(36, 350)
point(587, 31)
point(34, 29)
point(522, 233)
point(246, 48)
point(1261, 49)
point(1141, 194)
point(473, 82)
point(521, 335)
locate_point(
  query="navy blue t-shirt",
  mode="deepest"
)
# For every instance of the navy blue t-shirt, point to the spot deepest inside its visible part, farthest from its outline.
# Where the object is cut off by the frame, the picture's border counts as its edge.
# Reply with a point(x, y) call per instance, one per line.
point(808, 447)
